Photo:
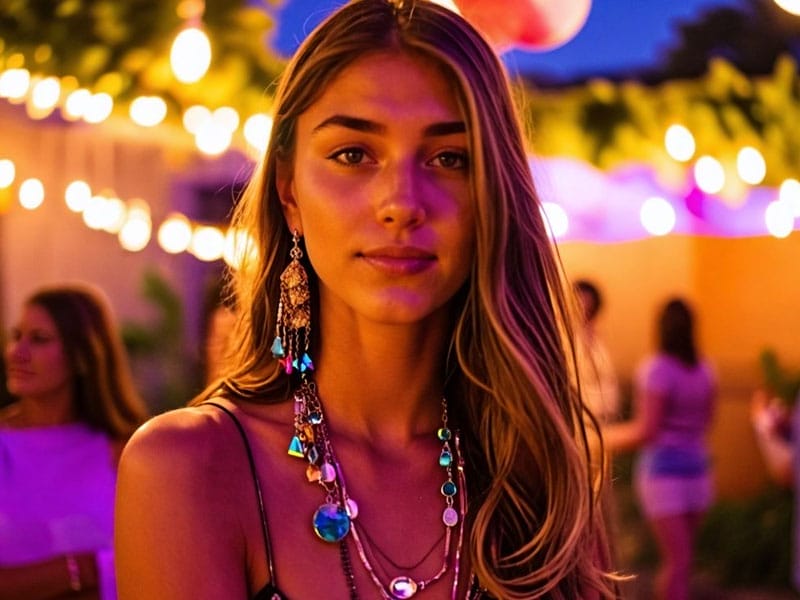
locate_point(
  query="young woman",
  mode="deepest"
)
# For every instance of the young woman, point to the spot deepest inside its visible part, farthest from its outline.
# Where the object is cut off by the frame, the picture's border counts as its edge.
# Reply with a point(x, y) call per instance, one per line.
point(402, 332)
point(60, 439)
point(675, 392)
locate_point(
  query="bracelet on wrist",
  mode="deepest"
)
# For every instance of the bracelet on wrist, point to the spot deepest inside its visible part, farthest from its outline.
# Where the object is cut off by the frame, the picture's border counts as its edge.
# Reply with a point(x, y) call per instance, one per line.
point(74, 572)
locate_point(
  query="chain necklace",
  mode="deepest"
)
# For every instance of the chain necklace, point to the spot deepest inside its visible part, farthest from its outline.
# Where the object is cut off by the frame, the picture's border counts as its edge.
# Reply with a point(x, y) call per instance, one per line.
point(336, 518)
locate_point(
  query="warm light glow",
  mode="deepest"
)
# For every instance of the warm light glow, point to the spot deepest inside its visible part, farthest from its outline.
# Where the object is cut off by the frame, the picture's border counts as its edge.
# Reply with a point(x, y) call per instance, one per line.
point(212, 139)
point(657, 216)
point(7, 173)
point(77, 195)
point(789, 192)
point(790, 6)
point(679, 143)
point(31, 193)
point(94, 213)
point(137, 229)
point(226, 117)
point(190, 55)
point(14, 83)
point(239, 249)
point(709, 174)
point(779, 219)
point(148, 111)
point(257, 130)
point(449, 4)
point(208, 243)
point(751, 165)
point(114, 215)
point(194, 117)
point(98, 108)
point(77, 103)
point(45, 93)
point(175, 234)
point(556, 219)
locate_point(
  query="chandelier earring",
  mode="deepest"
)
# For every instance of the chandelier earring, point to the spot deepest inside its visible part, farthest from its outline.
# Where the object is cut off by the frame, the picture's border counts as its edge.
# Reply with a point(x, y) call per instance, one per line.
point(293, 327)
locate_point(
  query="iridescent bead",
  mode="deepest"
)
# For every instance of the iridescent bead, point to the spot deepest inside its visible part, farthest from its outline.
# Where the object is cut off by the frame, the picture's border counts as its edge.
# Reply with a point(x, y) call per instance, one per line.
point(277, 348)
point(450, 516)
point(295, 447)
point(445, 458)
point(443, 434)
point(449, 488)
point(327, 472)
point(331, 522)
point(315, 418)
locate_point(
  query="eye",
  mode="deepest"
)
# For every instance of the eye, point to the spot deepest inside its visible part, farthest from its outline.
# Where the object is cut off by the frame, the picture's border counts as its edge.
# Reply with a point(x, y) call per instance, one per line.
point(450, 159)
point(349, 156)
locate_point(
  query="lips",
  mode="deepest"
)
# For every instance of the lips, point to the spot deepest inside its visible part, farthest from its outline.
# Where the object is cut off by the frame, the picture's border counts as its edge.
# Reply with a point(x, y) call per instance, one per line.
point(399, 260)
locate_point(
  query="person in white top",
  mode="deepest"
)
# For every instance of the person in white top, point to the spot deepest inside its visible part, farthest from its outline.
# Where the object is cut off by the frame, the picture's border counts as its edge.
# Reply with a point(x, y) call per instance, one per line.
point(74, 406)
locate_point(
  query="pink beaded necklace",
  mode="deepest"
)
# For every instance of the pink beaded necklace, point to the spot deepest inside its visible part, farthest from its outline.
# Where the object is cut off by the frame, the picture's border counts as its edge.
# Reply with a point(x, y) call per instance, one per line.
point(336, 517)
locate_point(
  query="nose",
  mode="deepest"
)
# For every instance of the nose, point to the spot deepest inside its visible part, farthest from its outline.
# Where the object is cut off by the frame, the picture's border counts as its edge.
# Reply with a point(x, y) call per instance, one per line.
point(15, 351)
point(402, 205)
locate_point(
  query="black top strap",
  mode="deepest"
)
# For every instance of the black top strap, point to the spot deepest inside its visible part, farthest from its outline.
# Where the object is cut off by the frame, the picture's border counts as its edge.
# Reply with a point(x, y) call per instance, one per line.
point(259, 497)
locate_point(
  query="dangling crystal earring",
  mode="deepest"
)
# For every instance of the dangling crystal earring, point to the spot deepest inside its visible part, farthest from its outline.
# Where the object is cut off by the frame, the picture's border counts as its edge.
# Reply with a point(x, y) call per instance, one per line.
point(293, 328)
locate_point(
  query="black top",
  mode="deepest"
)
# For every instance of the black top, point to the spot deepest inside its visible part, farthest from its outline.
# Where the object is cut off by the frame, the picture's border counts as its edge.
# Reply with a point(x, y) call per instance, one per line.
point(269, 591)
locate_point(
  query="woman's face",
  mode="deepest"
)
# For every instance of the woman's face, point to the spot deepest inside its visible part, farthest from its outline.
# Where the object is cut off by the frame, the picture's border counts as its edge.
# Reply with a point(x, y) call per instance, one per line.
point(35, 359)
point(379, 187)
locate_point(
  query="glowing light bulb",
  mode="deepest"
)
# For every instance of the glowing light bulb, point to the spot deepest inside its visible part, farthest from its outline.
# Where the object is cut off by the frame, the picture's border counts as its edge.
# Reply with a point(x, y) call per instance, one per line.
point(148, 111)
point(709, 174)
point(226, 117)
point(175, 234)
point(212, 138)
point(7, 173)
point(556, 219)
point(208, 243)
point(137, 228)
point(257, 130)
point(14, 83)
point(657, 216)
point(789, 192)
point(779, 219)
point(45, 93)
point(76, 104)
point(790, 6)
point(751, 166)
point(77, 195)
point(190, 55)
point(98, 108)
point(194, 117)
point(31, 193)
point(679, 143)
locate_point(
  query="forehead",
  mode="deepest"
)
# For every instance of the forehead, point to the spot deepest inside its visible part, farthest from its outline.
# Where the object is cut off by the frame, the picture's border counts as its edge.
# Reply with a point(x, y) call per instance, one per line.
point(35, 316)
point(388, 82)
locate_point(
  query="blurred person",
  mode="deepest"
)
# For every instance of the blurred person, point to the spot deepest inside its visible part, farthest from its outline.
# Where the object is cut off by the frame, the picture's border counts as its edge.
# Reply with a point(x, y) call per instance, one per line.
point(74, 406)
point(674, 397)
point(777, 428)
point(404, 330)
point(599, 385)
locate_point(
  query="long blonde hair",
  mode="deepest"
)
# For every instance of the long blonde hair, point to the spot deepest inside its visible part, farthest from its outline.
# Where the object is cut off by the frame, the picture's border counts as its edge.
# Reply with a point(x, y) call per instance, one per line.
point(535, 531)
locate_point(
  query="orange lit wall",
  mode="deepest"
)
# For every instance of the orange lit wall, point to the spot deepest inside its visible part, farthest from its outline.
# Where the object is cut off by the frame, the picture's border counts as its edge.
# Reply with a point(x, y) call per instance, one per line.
point(746, 292)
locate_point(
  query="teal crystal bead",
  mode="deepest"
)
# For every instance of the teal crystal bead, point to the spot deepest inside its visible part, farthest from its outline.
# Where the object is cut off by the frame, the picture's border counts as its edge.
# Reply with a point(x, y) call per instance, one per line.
point(449, 488)
point(306, 364)
point(331, 523)
point(443, 434)
point(296, 447)
point(277, 348)
point(445, 458)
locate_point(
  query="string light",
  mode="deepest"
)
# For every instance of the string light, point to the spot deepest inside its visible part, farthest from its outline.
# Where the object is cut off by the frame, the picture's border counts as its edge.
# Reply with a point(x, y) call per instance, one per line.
point(190, 54)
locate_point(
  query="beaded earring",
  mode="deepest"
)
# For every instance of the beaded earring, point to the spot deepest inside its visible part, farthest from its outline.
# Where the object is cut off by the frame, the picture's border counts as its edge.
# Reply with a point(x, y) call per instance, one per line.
point(293, 328)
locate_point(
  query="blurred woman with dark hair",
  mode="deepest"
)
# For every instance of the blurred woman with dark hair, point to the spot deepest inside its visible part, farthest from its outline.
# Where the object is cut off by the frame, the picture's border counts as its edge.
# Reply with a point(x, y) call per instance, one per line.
point(675, 392)
point(74, 407)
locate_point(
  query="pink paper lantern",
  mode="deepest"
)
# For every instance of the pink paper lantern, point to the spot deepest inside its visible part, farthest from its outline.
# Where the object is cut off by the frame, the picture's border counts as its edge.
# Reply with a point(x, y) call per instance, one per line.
point(528, 24)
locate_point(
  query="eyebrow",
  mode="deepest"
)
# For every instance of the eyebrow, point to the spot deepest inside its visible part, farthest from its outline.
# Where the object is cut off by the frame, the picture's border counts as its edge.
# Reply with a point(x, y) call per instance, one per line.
point(367, 126)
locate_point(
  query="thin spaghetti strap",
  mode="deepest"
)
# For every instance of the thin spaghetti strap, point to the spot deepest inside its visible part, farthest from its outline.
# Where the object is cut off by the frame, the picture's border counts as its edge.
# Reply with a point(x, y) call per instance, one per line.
point(261, 509)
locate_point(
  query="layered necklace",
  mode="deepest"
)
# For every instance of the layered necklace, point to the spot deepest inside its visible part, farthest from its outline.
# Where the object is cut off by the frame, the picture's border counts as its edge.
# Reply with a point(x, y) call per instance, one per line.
point(337, 516)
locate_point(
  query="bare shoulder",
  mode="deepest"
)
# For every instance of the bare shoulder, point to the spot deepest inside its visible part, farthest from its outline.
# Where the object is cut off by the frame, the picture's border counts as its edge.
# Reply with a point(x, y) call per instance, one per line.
point(177, 509)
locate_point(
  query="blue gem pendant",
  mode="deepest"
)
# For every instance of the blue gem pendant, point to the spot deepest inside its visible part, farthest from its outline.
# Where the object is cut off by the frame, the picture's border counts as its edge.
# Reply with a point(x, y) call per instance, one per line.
point(331, 523)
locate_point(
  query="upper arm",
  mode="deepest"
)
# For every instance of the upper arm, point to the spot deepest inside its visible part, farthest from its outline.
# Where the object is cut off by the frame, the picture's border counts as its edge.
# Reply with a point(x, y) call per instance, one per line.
point(174, 536)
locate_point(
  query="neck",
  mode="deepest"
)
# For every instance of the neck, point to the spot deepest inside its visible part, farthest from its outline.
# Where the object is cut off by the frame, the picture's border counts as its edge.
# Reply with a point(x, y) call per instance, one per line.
point(382, 379)
point(42, 412)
